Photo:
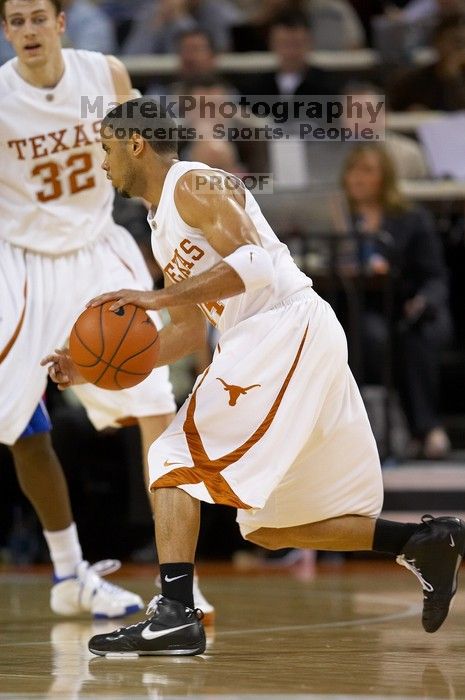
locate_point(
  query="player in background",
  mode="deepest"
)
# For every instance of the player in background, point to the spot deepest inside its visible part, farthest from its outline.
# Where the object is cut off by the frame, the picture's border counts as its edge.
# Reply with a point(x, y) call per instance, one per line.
point(58, 242)
point(276, 426)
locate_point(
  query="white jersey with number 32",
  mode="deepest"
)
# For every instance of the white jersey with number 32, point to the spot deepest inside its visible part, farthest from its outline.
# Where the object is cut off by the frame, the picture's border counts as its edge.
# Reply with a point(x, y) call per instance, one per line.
point(54, 196)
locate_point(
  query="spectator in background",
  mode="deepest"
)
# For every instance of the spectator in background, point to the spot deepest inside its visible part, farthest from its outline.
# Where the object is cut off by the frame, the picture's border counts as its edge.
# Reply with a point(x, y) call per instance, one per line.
point(326, 158)
point(218, 153)
point(121, 14)
point(441, 85)
point(159, 22)
point(241, 156)
point(430, 10)
point(406, 153)
point(197, 62)
point(335, 24)
point(197, 59)
point(399, 32)
point(410, 250)
point(366, 11)
point(87, 27)
point(291, 39)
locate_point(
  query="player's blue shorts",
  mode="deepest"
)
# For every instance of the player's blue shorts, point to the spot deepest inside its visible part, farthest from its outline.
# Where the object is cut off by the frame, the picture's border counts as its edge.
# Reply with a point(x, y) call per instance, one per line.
point(40, 422)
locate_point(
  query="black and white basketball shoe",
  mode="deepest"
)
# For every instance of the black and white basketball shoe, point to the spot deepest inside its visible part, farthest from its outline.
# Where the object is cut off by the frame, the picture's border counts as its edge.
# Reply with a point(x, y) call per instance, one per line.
point(171, 629)
point(434, 554)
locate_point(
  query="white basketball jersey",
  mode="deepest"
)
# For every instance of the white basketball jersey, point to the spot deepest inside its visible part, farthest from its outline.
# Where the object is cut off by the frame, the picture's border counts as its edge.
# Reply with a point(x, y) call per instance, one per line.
point(54, 196)
point(182, 251)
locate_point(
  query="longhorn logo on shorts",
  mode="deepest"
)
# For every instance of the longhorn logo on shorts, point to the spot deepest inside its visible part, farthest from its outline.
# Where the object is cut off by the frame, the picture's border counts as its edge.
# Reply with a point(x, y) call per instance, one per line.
point(236, 391)
point(210, 471)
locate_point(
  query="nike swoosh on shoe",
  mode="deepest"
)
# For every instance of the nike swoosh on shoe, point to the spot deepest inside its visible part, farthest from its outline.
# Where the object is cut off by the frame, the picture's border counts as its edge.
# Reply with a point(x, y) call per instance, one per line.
point(148, 634)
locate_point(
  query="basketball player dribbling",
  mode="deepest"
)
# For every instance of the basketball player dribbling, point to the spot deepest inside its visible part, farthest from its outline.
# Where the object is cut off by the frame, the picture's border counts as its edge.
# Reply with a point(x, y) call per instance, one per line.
point(58, 242)
point(275, 427)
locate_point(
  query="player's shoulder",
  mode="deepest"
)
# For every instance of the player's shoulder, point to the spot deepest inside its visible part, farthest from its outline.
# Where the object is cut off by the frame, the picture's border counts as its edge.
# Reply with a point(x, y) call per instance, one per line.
point(118, 72)
point(82, 55)
point(204, 180)
point(115, 63)
point(193, 173)
point(188, 172)
point(91, 68)
point(200, 191)
point(190, 177)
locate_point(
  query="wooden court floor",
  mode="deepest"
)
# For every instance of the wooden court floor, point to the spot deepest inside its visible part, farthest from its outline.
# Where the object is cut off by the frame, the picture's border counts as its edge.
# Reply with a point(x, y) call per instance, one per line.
point(347, 632)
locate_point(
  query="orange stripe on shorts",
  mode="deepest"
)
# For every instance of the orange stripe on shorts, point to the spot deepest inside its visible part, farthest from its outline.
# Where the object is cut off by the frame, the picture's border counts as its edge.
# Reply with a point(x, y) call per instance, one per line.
point(16, 332)
point(209, 471)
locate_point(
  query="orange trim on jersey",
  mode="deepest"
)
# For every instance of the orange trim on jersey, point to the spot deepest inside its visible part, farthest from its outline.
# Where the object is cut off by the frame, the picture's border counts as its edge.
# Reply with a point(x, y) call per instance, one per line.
point(11, 342)
point(126, 422)
point(209, 471)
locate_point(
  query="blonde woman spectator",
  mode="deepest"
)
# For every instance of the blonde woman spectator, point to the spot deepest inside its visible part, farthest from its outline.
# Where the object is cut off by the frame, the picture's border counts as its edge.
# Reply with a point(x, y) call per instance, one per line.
point(410, 249)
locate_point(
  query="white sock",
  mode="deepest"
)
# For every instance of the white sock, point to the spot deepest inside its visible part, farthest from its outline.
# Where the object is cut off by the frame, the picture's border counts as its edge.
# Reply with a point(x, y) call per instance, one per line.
point(65, 550)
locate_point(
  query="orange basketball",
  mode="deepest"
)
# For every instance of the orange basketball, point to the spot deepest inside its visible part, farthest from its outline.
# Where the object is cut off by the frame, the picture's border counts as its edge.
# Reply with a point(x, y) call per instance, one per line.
point(114, 349)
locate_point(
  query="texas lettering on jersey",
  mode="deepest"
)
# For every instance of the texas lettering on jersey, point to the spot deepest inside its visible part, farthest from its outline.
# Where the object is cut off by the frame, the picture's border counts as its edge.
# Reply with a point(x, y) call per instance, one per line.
point(53, 175)
point(54, 142)
point(180, 267)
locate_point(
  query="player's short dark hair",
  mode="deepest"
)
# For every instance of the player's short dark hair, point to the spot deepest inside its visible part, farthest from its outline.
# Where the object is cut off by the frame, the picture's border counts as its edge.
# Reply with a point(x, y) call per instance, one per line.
point(57, 4)
point(146, 117)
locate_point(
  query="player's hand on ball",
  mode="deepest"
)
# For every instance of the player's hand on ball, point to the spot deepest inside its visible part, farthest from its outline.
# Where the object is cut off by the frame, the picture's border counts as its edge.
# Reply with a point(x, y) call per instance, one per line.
point(145, 300)
point(61, 369)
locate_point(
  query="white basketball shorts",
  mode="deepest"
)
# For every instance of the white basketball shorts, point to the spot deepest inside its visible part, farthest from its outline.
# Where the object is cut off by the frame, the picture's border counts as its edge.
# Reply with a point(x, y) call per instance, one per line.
point(276, 426)
point(40, 298)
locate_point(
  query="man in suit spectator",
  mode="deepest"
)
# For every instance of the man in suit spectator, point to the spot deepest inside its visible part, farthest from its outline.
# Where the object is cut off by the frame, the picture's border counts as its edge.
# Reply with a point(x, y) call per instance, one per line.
point(197, 57)
point(290, 40)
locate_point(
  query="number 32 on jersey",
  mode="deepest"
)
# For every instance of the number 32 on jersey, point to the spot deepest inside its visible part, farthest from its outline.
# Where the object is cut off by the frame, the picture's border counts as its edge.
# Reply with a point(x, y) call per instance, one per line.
point(69, 178)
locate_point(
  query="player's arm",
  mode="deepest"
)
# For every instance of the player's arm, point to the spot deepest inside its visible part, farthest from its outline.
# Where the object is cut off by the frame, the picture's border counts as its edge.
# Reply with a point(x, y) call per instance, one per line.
point(217, 209)
point(185, 334)
point(121, 79)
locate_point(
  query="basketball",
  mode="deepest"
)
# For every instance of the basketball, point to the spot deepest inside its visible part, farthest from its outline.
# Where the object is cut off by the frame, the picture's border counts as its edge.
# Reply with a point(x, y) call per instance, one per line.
point(114, 349)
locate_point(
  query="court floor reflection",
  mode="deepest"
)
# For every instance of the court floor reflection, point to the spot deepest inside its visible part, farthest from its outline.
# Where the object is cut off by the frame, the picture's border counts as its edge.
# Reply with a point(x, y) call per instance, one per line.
point(349, 634)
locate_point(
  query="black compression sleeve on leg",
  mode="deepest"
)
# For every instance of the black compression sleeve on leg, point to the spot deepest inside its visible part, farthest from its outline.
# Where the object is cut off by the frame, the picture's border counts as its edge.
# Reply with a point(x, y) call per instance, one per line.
point(177, 582)
point(391, 537)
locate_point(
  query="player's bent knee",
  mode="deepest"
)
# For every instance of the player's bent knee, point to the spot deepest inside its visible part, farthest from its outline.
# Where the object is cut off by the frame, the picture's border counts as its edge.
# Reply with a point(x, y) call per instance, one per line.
point(265, 537)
